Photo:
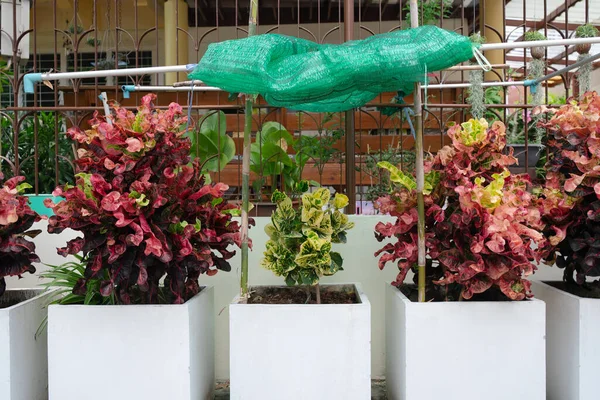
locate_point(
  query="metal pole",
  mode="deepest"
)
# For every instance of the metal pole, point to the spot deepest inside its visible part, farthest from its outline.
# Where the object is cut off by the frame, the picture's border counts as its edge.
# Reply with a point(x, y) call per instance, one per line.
point(419, 169)
point(138, 88)
point(467, 85)
point(252, 22)
point(350, 134)
point(528, 82)
point(127, 89)
point(563, 70)
point(30, 79)
point(538, 43)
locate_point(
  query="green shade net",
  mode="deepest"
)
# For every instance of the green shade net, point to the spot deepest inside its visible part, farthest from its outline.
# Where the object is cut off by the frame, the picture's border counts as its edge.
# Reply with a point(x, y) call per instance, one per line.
point(303, 75)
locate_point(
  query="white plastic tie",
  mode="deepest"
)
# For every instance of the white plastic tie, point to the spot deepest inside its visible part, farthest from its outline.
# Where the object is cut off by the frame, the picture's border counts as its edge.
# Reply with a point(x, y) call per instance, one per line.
point(481, 60)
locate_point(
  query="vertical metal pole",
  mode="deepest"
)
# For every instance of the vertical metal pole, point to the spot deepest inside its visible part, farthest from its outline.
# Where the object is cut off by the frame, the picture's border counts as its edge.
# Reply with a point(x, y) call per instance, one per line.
point(253, 20)
point(419, 168)
point(350, 135)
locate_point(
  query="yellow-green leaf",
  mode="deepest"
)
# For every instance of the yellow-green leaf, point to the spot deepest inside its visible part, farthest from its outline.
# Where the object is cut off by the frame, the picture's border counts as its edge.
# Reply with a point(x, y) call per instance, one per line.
point(398, 176)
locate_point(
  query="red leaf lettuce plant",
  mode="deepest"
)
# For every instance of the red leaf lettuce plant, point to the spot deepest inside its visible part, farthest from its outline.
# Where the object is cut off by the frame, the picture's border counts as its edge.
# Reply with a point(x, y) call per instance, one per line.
point(143, 208)
point(571, 197)
point(481, 222)
point(17, 252)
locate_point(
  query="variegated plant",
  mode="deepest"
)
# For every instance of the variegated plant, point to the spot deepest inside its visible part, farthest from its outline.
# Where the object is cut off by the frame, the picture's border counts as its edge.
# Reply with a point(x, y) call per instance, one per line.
point(299, 245)
point(482, 224)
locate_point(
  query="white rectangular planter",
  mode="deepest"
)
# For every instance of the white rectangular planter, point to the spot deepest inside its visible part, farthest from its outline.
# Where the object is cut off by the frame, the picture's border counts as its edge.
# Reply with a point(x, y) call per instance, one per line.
point(132, 351)
point(464, 350)
point(573, 351)
point(23, 357)
point(300, 351)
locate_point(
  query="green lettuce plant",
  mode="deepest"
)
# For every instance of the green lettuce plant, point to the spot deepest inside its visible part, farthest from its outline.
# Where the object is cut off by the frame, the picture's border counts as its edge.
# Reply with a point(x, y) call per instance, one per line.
point(299, 245)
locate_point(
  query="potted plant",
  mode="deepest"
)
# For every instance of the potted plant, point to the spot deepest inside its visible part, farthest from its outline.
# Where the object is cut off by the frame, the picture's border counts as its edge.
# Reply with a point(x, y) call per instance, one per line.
point(150, 228)
point(24, 363)
point(526, 154)
point(533, 36)
point(481, 228)
point(570, 205)
point(38, 144)
point(270, 161)
point(321, 337)
point(585, 31)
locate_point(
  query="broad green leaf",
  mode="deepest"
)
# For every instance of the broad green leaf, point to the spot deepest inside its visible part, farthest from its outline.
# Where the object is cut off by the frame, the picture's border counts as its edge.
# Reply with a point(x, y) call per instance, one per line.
point(214, 122)
point(274, 132)
point(398, 176)
point(211, 144)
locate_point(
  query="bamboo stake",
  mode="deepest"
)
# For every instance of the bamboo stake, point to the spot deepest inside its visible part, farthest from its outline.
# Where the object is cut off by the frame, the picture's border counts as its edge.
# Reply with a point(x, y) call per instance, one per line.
point(252, 22)
point(419, 168)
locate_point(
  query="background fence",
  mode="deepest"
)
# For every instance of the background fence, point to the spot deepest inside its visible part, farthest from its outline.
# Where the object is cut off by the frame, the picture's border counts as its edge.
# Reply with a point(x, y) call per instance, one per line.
point(343, 148)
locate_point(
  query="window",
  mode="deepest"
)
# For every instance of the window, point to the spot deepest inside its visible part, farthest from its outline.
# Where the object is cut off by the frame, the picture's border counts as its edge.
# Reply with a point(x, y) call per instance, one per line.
point(86, 62)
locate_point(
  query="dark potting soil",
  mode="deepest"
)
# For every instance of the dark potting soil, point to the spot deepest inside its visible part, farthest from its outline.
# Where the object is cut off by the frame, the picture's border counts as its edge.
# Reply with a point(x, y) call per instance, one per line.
point(338, 294)
point(8, 303)
point(493, 294)
point(588, 292)
point(11, 298)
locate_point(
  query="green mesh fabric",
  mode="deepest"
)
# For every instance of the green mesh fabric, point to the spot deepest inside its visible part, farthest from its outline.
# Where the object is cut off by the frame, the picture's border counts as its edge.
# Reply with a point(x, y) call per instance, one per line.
point(303, 75)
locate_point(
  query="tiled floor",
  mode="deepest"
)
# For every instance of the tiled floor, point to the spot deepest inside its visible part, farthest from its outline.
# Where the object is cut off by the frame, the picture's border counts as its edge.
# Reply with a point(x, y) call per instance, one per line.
point(377, 390)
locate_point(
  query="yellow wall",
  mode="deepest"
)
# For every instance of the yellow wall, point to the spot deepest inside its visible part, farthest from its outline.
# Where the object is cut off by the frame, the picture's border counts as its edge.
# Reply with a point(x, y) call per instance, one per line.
point(146, 20)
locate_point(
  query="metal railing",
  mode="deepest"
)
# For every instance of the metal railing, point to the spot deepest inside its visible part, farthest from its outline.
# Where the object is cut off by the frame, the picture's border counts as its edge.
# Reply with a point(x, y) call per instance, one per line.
point(74, 36)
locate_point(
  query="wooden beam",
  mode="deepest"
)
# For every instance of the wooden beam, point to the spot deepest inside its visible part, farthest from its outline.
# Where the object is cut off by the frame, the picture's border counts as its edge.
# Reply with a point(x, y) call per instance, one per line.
point(532, 24)
point(537, 25)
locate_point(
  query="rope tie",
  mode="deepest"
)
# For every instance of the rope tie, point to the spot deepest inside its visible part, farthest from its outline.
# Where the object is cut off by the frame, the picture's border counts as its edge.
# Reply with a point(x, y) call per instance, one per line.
point(408, 112)
point(481, 60)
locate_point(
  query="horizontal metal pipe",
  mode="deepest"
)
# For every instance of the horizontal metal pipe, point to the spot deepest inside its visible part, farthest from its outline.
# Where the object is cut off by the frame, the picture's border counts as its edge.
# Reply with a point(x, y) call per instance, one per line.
point(538, 43)
point(467, 85)
point(563, 70)
point(139, 88)
point(30, 79)
point(475, 67)
point(91, 108)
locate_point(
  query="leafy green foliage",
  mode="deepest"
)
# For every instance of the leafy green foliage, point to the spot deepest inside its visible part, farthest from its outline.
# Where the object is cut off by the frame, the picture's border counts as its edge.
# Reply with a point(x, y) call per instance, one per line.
point(48, 156)
point(381, 183)
point(61, 281)
point(63, 278)
point(320, 148)
point(586, 31)
point(6, 75)
point(299, 245)
point(211, 144)
point(430, 11)
point(269, 158)
point(532, 36)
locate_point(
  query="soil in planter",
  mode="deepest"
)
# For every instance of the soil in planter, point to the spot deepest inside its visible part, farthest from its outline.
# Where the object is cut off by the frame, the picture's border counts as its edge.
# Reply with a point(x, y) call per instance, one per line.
point(299, 295)
point(588, 292)
point(11, 298)
point(493, 294)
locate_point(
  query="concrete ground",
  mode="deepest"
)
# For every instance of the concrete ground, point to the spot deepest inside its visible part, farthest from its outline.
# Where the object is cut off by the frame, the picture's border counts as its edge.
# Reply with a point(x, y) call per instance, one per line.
point(377, 390)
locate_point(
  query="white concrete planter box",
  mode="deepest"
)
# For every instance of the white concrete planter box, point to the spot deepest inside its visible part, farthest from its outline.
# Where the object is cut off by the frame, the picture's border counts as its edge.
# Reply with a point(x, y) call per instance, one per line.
point(132, 351)
point(300, 351)
point(464, 350)
point(573, 350)
point(23, 357)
